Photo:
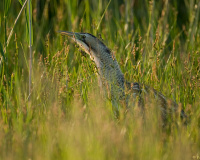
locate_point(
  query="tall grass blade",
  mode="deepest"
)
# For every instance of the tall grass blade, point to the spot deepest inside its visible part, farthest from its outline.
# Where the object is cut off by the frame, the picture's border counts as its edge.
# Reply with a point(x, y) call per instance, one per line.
point(2, 52)
point(30, 44)
point(103, 14)
point(11, 32)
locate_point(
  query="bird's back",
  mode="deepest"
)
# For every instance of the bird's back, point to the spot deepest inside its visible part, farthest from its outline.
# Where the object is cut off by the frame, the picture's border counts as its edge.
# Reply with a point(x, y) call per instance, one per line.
point(142, 95)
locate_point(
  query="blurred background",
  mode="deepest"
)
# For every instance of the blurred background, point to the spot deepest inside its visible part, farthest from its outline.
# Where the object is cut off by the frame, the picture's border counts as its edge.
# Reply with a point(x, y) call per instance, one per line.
point(88, 16)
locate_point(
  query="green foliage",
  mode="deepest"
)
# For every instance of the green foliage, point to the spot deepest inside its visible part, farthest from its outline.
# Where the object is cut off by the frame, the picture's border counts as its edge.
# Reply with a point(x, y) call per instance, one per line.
point(68, 117)
point(27, 22)
point(6, 6)
point(2, 52)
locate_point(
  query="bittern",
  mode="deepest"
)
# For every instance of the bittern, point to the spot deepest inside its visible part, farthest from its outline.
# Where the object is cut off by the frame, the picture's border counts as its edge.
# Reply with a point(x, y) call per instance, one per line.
point(111, 75)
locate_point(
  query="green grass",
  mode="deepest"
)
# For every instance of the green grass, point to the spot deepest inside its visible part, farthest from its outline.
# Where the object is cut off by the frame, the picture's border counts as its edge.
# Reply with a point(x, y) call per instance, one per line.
point(152, 44)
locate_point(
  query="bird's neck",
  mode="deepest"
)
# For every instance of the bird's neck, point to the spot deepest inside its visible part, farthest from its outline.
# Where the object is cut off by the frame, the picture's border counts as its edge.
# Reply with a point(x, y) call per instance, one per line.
point(110, 73)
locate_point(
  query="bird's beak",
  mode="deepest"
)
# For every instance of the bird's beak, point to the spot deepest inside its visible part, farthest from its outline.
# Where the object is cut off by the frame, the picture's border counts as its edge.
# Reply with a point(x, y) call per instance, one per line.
point(67, 33)
point(78, 39)
point(73, 35)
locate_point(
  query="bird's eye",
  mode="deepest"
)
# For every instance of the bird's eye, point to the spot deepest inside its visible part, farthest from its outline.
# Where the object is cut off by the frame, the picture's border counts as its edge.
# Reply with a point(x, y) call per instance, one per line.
point(83, 36)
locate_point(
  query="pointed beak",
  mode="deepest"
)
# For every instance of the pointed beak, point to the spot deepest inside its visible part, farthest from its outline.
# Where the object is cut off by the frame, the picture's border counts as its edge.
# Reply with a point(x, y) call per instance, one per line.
point(72, 35)
point(77, 37)
point(67, 33)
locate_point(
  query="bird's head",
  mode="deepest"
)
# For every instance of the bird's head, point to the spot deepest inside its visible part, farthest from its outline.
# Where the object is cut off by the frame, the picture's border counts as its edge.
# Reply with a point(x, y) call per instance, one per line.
point(89, 43)
point(105, 61)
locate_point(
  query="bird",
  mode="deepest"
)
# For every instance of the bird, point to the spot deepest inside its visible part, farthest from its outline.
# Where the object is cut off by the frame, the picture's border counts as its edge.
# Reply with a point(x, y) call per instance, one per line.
point(111, 76)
